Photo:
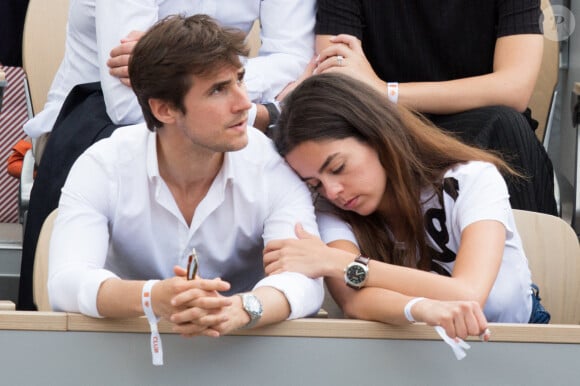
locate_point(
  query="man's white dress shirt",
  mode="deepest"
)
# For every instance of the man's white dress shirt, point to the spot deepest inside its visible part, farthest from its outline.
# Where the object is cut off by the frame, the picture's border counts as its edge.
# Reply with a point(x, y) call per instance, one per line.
point(118, 218)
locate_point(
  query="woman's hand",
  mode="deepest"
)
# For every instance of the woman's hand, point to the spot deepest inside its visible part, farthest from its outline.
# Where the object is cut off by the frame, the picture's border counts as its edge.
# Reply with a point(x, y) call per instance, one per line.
point(346, 56)
point(460, 319)
point(307, 255)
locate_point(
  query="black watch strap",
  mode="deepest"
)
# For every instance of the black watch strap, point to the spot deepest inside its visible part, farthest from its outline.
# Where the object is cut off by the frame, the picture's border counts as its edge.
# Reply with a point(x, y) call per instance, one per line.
point(273, 114)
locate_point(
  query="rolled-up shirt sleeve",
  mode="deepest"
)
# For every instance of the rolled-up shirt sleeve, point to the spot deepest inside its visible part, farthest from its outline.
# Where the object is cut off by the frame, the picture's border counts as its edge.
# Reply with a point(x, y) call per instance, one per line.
point(304, 295)
point(287, 37)
point(291, 203)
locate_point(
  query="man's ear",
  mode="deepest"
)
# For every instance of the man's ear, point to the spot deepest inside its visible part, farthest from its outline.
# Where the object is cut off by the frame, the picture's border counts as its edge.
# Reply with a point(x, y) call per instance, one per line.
point(163, 110)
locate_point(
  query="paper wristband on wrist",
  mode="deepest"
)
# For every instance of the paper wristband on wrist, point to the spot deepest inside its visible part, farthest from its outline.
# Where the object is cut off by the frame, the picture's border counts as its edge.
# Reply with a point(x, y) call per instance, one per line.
point(457, 345)
point(393, 91)
point(156, 348)
point(408, 307)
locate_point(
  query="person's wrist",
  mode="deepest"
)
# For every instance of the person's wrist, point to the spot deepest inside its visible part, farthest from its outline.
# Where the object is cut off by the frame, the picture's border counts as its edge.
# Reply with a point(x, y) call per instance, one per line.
point(409, 307)
point(261, 118)
point(341, 259)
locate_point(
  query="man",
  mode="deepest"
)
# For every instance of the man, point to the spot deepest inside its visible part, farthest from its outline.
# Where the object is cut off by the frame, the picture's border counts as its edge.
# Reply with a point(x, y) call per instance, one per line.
point(135, 204)
point(94, 28)
point(78, 117)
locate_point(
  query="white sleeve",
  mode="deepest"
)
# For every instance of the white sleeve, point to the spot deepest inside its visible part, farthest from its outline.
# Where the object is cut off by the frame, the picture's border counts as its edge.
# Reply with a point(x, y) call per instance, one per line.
point(290, 202)
point(483, 196)
point(79, 242)
point(333, 228)
point(304, 295)
point(287, 35)
point(114, 21)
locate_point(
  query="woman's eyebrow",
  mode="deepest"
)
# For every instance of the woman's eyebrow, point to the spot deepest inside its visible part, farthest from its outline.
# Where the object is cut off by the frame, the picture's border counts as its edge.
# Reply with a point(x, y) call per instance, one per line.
point(324, 165)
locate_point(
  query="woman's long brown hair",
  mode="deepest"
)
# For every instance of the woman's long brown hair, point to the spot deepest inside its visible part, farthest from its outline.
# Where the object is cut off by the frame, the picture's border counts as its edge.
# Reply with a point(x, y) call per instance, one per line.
point(414, 153)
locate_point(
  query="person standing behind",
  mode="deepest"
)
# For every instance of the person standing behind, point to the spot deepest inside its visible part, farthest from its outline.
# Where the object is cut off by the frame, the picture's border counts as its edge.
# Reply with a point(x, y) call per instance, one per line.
point(193, 176)
point(470, 67)
point(95, 28)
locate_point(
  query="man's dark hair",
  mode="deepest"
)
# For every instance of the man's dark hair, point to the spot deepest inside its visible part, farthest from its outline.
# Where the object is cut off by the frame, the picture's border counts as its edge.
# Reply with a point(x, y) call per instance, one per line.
point(174, 49)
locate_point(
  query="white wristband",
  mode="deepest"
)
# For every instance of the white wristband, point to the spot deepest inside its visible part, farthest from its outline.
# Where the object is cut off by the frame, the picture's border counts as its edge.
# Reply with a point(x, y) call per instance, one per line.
point(457, 345)
point(393, 92)
point(156, 348)
point(408, 307)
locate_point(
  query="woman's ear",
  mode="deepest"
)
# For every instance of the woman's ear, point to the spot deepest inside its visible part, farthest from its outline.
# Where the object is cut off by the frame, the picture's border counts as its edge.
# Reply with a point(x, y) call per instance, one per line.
point(162, 110)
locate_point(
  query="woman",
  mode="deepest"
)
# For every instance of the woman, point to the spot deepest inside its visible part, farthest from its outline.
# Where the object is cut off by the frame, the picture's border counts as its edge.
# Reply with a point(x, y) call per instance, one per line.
point(432, 213)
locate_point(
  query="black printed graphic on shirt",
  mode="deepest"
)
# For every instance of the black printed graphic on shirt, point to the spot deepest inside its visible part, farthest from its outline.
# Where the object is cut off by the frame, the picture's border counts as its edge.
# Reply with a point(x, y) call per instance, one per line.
point(435, 224)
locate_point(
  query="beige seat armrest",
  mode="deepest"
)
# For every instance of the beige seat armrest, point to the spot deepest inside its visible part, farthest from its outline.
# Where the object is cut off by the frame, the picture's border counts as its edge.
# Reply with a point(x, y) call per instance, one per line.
point(26, 181)
point(40, 275)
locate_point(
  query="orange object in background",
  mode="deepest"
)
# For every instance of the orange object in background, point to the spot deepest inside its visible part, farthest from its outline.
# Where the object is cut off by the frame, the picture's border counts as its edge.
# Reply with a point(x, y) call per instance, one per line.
point(16, 158)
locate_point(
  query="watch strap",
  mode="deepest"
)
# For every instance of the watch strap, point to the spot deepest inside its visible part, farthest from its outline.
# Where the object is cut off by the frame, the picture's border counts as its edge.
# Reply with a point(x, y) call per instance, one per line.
point(273, 114)
point(363, 260)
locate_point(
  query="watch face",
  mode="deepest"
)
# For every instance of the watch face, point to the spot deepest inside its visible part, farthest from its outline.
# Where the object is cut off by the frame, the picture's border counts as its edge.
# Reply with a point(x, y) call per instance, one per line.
point(252, 305)
point(356, 274)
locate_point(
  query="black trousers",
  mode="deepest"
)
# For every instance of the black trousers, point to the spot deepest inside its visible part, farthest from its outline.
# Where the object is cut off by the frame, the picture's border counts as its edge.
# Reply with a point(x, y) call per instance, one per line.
point(510, 134)
point(82, 121)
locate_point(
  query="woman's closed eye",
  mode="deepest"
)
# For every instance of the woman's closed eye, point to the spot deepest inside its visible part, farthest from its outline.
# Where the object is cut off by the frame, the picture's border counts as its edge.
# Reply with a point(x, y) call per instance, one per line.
point(338, 170)
point(314, 186)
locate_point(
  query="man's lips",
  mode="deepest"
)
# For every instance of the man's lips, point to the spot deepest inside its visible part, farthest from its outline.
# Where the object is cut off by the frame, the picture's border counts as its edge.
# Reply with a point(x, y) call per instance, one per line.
point(239, 124)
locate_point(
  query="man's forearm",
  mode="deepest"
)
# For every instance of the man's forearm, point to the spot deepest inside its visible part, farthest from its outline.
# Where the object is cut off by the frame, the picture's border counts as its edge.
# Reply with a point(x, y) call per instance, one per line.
point(120, 298)
point(262, 118)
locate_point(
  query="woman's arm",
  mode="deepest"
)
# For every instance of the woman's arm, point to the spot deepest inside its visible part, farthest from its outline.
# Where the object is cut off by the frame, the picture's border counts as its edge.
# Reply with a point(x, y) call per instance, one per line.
point(454, 302)
point(476, 265)
point(517, 61)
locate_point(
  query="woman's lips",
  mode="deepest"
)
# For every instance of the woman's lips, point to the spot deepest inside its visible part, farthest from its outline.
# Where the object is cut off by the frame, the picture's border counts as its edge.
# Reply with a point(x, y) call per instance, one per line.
point(351, 203)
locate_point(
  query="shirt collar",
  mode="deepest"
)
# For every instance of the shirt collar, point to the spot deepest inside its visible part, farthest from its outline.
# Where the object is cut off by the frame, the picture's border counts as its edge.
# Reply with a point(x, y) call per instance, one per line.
point(226, 171)
point(152, 163)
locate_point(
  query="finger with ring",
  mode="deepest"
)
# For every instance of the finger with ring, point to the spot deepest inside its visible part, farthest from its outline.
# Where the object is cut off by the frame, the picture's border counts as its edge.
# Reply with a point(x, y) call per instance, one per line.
point(339, 60)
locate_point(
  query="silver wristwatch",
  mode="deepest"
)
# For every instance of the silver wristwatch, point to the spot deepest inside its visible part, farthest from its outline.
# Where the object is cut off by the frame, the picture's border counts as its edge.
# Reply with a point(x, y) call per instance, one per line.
point(357, 272)
point(253, 307)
